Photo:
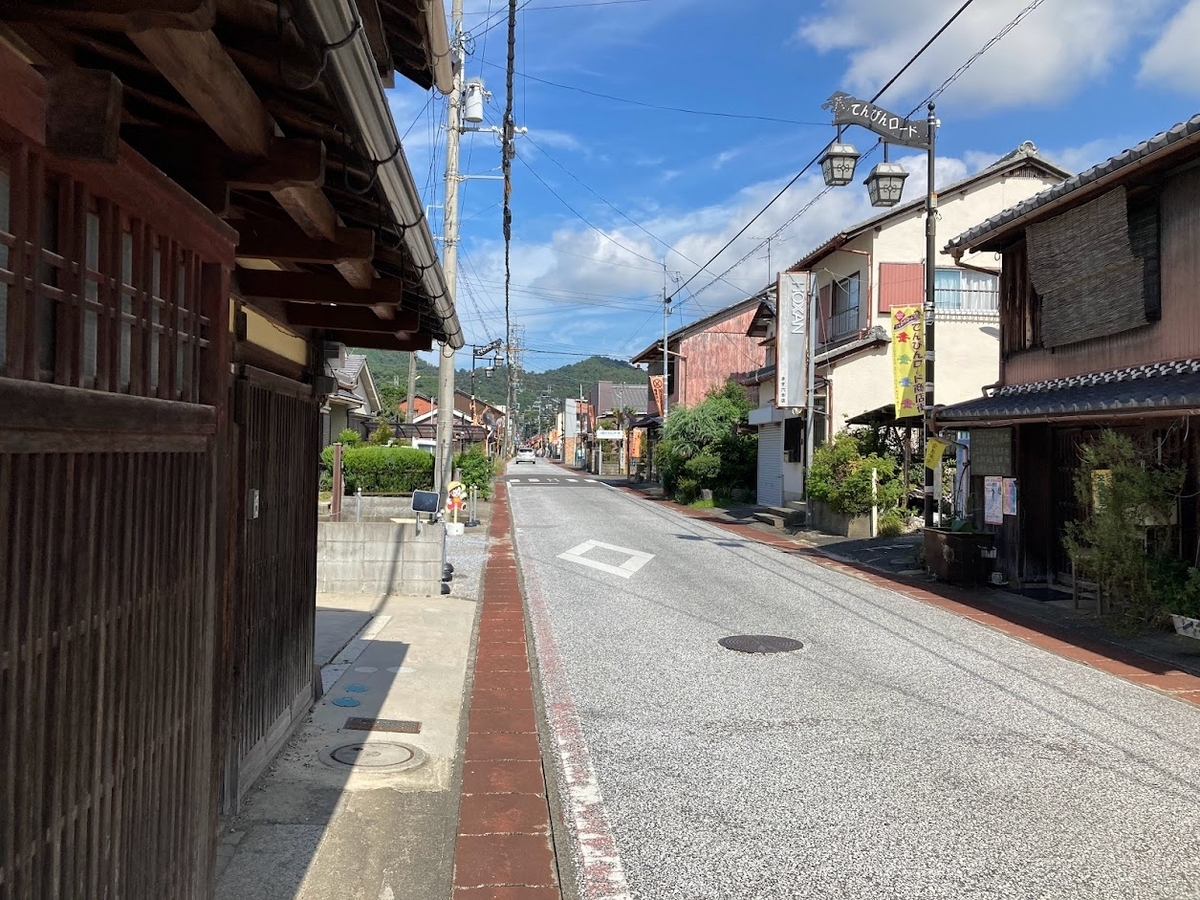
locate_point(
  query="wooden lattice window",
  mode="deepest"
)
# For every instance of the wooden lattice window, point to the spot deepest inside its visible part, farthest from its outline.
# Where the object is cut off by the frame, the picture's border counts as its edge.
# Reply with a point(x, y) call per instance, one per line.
point(91, 295)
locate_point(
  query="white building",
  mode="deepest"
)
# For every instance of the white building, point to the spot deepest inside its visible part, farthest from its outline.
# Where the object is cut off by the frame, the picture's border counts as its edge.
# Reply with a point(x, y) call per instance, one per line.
point(860, 274)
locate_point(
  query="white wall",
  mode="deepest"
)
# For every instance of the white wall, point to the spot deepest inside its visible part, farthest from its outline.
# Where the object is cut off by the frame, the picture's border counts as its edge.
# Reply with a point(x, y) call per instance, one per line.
point(861, 382)
point(968, 356)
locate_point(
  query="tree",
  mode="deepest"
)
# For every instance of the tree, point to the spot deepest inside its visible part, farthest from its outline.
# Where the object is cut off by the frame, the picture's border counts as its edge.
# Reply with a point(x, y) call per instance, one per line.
point(704, 447)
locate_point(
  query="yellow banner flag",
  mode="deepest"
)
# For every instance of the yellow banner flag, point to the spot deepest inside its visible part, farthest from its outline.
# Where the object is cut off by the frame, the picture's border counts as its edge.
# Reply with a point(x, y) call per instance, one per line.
point(933, 452)
point(908, 360)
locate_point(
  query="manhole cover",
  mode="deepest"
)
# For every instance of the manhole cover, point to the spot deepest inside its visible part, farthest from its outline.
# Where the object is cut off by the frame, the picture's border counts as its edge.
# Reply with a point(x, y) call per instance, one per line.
point(759, 643)
point(374, 756)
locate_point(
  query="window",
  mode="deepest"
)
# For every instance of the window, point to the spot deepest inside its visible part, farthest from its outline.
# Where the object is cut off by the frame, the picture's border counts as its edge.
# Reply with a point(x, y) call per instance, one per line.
point(966, 290)
point(844, 306)
point(793, 439)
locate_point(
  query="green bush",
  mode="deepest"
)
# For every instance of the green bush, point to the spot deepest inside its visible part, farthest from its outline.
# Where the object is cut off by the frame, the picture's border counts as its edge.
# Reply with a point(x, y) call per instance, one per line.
point(687, 490)
point(703, 449)
point(380, 470)
point(1122, 541)
point(381, 435)
point(349, 437)
point(841, 476)
point(891, 523)
point(477, 470)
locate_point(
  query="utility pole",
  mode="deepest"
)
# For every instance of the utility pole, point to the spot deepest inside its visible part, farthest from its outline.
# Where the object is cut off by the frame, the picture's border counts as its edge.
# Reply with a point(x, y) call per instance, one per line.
point(412, 387)
point(444, 461)
point(666, 351)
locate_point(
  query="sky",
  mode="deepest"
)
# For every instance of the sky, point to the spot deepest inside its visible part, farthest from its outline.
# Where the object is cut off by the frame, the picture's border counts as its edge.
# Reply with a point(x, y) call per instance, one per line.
point(659, 128)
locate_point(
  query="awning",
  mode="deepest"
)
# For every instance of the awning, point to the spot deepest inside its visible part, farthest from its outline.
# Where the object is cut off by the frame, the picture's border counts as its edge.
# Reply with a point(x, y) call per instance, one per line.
point(1158, 389)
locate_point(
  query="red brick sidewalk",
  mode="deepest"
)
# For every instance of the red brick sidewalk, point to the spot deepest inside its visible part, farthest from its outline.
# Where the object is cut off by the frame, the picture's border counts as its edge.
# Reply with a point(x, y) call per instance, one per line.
point(503, 851)
point(1123, 663)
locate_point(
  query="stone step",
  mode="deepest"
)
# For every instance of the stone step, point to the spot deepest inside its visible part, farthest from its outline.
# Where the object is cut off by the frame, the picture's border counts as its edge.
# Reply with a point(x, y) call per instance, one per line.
point(778, 516)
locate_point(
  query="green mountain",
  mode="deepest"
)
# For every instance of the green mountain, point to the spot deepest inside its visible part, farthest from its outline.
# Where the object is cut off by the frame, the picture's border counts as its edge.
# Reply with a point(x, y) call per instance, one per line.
point(389, 368)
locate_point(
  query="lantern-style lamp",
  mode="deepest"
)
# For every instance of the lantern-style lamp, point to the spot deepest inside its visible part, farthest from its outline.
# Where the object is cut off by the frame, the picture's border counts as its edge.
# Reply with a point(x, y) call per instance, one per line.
point(885, 184)
point(837, 165)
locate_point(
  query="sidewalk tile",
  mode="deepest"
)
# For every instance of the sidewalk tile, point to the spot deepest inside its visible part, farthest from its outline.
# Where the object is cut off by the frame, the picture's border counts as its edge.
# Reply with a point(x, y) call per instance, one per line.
point(503, 814)
point(507, 893)
point(503, 859)
point(516, 776)
point(504, 745)
point(506, 721)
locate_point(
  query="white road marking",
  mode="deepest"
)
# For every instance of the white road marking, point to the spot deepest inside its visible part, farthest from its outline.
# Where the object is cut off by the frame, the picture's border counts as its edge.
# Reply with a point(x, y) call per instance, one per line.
point(590, 480)
point(573, 480)
point(636, 560)
point(535, 479)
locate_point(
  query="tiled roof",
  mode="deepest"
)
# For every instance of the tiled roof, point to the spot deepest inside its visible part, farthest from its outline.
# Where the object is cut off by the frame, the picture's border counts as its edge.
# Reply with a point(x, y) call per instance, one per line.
point(349, 371)
point(1137, 154)
point(1157, 386)
point(635, 396)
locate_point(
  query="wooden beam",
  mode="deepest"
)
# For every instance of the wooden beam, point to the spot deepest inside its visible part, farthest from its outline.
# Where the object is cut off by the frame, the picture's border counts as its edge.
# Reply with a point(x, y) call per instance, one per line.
point(370, 341)
point(291, 162)
point(201, 71)
point(115, 15)
point(305, 287)
point(351, 318)
point(282, 242)
point(377, 39)
point(83, 114)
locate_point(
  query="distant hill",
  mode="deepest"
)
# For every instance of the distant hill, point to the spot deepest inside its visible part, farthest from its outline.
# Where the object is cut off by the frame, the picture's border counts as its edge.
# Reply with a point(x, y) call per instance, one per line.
point(389, 368)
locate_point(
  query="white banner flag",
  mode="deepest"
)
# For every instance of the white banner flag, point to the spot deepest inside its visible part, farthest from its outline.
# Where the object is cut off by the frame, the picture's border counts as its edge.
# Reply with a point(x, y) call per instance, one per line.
point(791, 341)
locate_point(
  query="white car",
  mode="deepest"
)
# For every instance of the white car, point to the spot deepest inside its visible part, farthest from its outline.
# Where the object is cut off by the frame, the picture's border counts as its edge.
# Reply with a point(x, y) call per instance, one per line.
point(525, 454)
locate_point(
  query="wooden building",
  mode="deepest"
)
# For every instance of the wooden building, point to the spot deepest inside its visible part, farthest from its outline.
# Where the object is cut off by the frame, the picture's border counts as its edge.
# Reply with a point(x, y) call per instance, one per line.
point(1099, 328)
point(200, 200)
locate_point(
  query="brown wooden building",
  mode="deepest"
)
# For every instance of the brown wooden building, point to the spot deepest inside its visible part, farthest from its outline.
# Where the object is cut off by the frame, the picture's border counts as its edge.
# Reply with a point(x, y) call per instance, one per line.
point(1099, 327)
point(199, 200)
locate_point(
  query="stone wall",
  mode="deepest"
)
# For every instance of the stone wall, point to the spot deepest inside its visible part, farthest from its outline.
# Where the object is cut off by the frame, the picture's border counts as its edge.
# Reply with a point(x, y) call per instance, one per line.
point(380, 558)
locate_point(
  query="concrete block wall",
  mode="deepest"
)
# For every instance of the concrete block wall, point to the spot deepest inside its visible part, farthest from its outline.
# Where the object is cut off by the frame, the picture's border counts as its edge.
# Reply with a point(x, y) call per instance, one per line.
point(380, 558)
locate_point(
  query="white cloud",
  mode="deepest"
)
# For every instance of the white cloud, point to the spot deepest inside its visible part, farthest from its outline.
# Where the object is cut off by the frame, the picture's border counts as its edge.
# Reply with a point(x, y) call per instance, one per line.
point(1173, 61)
point(1046, 58)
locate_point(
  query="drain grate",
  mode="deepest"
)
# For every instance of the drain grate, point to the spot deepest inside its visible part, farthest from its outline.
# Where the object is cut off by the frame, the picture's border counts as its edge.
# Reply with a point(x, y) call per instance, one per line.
point(760, 643)
point(396, 726)
point(374, 756)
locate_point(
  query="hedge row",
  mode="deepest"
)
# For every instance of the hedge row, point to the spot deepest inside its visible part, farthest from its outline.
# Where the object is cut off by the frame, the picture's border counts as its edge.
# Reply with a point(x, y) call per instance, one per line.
point(380, 470)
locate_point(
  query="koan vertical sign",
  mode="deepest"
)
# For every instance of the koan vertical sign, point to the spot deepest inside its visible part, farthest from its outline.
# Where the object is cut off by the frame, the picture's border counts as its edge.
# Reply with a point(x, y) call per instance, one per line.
point(791, 341)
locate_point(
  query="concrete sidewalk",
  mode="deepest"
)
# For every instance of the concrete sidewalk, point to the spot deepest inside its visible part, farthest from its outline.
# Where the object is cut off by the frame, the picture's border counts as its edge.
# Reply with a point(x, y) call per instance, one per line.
point(362, 803)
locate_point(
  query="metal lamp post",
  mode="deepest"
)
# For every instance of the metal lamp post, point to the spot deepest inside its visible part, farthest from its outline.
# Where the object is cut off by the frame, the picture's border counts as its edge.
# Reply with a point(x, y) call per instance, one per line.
point(885, 185)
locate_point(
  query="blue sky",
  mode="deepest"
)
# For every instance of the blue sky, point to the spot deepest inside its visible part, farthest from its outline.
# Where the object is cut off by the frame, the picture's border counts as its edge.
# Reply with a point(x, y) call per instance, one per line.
point(637, 186)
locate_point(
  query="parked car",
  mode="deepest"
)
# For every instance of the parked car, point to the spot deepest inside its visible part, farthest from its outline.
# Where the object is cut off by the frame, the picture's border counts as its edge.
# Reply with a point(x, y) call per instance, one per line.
point(525, 454)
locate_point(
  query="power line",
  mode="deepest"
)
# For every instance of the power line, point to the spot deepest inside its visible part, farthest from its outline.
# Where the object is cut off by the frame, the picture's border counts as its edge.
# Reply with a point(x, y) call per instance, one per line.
point(582, 217)
point(936, 93)
point(676, 109)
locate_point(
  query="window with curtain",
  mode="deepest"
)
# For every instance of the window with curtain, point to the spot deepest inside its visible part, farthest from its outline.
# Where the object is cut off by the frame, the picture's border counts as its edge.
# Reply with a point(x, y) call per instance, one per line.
point(966, 290)
point(844, 306)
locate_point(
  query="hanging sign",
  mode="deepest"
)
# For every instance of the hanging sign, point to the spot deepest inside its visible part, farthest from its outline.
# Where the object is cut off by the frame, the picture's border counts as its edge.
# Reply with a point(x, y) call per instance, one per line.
point(791, 341)
point(894, 128)
point(656, 388)
point(933, 452)
point(908, 360)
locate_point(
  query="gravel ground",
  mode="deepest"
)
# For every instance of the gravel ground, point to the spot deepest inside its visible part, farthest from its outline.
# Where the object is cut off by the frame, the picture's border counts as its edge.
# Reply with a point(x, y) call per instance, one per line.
point(903, 753)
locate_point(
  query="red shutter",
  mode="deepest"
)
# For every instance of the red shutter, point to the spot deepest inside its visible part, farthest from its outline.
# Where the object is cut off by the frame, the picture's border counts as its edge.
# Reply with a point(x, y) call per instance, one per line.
point(826, 301)
point(901, 284)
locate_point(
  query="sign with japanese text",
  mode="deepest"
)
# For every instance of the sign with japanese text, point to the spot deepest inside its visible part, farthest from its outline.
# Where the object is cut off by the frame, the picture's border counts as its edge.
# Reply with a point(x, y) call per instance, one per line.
point(991, 451)
point(933, 452)
point(908, 360)
point(849, 110)
point(791, 341)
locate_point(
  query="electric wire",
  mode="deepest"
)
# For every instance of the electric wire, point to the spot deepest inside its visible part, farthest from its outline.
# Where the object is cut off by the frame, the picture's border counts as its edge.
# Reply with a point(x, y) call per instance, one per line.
point(655, 106)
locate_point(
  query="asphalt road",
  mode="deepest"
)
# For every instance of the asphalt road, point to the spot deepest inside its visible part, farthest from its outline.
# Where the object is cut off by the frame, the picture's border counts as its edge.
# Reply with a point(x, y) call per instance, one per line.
point(905, 752)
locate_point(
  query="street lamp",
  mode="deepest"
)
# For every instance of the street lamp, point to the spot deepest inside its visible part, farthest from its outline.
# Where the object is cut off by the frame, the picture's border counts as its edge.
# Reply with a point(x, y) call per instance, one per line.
point(837, 165)
point(885, 185)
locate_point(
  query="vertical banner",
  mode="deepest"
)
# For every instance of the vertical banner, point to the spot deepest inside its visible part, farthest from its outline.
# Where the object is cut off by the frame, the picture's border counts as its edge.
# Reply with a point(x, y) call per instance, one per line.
point(656, 389)
point(908, 360)
point(791, 341)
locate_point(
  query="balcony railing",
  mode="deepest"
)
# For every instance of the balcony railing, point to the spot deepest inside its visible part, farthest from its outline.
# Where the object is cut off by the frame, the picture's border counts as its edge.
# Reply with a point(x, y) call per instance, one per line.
point(967, 299)
point(842, 324)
